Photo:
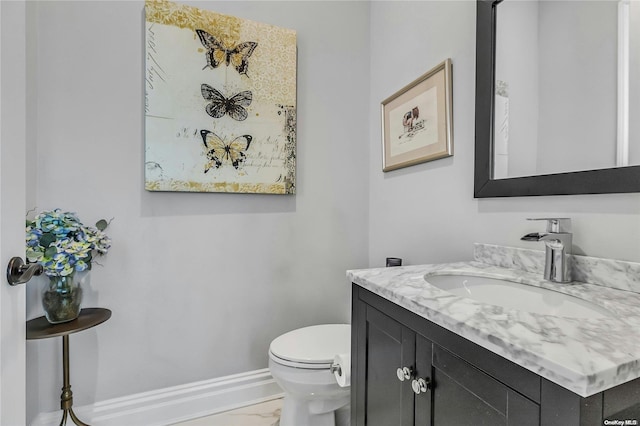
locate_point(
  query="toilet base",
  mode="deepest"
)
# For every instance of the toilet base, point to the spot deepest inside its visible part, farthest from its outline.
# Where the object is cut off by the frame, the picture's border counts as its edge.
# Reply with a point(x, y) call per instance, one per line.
point(297, 412)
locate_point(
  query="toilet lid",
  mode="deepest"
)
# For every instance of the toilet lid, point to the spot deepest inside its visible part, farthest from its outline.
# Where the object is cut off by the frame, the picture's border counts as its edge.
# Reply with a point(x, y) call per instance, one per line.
point(317, 344)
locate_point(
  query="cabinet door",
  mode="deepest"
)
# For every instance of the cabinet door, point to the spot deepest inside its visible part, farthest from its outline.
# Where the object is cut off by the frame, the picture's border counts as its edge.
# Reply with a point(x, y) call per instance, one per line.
point(465, 396)
point(389, 346)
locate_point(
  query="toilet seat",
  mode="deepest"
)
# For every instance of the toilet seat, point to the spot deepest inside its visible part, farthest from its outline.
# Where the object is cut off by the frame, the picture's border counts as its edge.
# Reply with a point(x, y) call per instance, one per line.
point(311, 347)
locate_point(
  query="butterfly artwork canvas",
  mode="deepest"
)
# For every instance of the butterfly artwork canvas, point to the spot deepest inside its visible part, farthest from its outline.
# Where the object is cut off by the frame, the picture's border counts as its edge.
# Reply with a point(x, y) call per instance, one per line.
point(220, 102)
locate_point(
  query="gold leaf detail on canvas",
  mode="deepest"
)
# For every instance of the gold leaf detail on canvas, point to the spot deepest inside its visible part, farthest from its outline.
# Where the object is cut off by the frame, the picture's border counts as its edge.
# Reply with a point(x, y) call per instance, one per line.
point(276, 81)
point(190, 186)
point(224, 27)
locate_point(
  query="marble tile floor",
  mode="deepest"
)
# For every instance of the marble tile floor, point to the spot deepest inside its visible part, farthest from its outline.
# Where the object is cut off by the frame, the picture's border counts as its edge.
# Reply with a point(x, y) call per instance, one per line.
point(263, 414)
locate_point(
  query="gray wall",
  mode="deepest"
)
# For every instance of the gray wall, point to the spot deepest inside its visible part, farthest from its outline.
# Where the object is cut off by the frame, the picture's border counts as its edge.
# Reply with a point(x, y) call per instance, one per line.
point(199, 284)
point(427, 213)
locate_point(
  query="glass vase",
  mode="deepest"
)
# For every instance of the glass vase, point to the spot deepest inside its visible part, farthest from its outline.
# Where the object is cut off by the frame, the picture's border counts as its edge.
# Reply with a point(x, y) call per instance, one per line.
point(61, 298)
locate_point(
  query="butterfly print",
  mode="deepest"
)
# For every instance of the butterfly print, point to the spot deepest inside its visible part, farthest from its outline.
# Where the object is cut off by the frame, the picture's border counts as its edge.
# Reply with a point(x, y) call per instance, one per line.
point(219, 106)
point(219, 152)
point(218, 53)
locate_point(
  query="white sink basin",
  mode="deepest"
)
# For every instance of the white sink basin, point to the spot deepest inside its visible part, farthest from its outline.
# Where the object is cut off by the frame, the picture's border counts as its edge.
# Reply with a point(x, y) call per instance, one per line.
point(517, 296)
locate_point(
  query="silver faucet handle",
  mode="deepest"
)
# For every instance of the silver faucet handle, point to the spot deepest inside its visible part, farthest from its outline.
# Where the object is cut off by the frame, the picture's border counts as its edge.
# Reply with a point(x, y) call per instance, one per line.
point(556, 224)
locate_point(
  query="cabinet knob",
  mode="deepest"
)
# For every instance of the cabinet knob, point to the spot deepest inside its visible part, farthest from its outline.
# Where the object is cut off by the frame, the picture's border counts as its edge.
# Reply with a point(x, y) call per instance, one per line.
point(420, 385)
point(404, 373)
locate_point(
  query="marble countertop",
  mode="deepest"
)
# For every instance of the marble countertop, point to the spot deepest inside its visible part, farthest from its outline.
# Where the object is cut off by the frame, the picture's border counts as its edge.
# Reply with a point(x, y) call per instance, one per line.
point(585, 356)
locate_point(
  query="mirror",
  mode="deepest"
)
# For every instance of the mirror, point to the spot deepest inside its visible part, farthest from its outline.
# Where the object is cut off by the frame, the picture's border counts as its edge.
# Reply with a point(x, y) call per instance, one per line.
point(553, 97)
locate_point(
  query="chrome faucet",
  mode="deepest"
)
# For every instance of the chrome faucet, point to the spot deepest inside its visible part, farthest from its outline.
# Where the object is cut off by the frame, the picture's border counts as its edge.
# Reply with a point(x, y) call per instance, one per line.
point(558, 242)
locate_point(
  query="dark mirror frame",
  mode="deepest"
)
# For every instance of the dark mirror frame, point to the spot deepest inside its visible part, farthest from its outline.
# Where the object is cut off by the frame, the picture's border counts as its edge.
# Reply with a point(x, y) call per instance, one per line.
point(602, 181)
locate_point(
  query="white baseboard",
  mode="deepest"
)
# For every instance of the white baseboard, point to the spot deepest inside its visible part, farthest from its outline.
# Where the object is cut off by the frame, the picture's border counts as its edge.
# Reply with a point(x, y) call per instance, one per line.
point(176, 404)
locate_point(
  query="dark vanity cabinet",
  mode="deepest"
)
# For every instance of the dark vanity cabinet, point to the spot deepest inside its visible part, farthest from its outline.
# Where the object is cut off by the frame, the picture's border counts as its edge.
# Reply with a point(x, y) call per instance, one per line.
point(409, 371)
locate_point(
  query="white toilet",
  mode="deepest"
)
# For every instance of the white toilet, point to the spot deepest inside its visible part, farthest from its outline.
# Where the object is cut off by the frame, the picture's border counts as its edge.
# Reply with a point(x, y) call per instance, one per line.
point(300, 363)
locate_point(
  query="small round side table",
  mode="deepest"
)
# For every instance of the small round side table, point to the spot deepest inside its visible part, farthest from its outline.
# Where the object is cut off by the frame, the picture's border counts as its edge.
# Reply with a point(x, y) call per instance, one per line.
point(40, 328)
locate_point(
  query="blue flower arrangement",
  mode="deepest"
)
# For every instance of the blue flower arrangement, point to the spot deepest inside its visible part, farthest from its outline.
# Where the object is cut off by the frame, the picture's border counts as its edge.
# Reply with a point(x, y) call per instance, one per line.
point(62, 244)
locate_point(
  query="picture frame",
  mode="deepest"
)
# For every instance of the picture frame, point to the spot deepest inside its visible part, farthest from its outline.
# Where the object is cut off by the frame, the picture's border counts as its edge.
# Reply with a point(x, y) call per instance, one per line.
point(219, 101)
point(417, 120)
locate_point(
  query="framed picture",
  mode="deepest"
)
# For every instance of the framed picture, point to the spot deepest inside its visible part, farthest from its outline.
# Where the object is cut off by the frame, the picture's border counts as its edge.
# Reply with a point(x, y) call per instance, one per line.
point(417, 121)
point(220, 102)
